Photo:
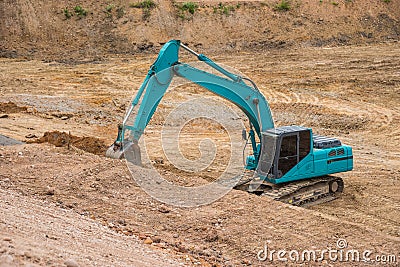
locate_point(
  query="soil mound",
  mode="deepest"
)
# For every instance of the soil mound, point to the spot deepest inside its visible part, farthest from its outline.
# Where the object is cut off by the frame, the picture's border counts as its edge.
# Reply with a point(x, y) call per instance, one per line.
point(61, 139)
point(11, 107)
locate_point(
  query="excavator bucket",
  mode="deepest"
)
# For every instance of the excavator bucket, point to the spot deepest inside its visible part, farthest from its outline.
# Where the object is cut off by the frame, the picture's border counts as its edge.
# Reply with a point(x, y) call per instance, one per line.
point(127, 149)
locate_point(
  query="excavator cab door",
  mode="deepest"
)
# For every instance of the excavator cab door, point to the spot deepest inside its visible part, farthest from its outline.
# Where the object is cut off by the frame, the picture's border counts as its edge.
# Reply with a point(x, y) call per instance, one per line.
point(279, 154)
point(267, 159)
point(288, 154)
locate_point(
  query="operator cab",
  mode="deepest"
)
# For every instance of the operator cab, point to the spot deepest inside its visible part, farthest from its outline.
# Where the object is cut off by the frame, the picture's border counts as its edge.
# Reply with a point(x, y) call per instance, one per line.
point(282, 149)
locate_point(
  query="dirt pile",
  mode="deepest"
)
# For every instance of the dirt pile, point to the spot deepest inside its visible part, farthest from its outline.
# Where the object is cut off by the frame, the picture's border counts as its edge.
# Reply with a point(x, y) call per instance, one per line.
point(62, 139)
point(11, 107)
point(69, 31)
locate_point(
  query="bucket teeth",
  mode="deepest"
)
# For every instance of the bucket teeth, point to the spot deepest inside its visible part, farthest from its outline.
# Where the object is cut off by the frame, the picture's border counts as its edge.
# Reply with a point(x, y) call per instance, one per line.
point(115, 152)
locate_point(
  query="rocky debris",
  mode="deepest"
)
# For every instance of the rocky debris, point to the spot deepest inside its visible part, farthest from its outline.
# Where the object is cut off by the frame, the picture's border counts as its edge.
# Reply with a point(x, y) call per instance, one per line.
point(143, 236)
point(71, 263)
point(148, 241)
point(164, 209)
point(50, 191)
point(212, 236)
point(156, 239)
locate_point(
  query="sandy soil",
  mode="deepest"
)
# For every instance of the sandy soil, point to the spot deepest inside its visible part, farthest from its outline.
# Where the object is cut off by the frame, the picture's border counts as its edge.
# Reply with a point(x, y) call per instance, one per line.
point(40, 233)
point(349, 92)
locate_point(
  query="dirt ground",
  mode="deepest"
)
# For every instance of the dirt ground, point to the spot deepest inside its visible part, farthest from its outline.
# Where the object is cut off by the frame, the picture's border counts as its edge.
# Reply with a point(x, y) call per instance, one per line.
point(61, 237)
point(63, 200)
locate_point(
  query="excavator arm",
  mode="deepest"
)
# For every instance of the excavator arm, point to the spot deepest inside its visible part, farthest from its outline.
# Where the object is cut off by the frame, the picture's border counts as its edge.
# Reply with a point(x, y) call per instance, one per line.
point(229, 86)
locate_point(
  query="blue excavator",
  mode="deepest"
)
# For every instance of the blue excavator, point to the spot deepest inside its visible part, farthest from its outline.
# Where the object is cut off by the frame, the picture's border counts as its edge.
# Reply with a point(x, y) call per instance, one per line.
point(289, 163)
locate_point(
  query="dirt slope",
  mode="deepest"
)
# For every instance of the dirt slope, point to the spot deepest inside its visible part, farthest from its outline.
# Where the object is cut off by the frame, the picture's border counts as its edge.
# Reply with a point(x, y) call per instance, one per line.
point(36, 28)
point(61, 236)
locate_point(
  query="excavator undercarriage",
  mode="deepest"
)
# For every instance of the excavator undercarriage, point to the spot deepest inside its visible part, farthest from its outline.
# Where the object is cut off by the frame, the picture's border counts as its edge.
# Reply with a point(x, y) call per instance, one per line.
point(304, 193)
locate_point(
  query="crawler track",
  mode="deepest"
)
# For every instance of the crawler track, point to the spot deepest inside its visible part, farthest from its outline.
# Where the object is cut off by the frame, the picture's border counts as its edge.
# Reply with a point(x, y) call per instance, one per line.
point(303, 193)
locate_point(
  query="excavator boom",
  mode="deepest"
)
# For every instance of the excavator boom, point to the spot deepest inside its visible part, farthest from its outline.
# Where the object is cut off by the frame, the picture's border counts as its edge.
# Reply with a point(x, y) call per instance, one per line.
point(167, 66)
